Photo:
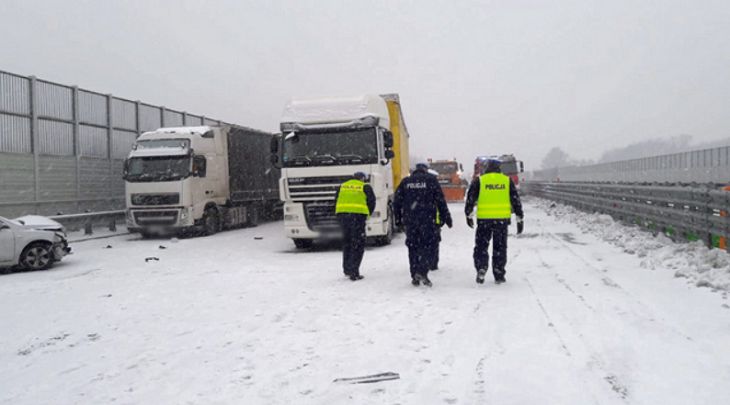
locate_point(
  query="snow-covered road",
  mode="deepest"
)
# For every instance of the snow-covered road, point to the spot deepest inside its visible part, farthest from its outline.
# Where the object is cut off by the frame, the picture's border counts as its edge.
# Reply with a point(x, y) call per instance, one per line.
point(244, 318)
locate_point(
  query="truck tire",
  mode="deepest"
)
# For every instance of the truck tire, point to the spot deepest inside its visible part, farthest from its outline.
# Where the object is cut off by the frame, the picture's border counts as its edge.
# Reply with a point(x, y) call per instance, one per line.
point(303, 243)
point(211, 222)
point(37, 256)
point(254, 215)
point(388, 237)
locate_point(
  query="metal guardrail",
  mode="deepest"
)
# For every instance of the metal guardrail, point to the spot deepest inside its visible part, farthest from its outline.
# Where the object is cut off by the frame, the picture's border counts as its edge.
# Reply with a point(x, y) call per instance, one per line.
point(680, 212)
point(90, 219)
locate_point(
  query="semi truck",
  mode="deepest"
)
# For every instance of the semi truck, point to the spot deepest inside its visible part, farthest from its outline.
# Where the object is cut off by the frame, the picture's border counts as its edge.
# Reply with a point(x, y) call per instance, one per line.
point(450, 177)
point(323, 143)
point(193, 180)
point(510, 166)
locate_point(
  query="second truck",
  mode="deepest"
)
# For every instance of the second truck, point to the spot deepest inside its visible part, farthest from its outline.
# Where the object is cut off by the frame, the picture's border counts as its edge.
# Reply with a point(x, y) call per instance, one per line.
point(193, 180)
point(323, 142)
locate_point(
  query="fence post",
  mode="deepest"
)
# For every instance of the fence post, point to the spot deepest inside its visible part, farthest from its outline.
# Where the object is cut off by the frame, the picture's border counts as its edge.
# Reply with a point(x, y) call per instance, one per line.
point(110, 142)
point(77, 144)
point(34, 140)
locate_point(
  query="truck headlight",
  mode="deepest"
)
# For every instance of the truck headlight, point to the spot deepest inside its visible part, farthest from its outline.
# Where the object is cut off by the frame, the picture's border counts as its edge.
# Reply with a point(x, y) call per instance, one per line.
point(291, 217)
point(184, 213)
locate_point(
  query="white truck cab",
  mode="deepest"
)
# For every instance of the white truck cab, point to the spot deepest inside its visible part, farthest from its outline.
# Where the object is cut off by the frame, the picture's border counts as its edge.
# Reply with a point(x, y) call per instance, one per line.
point(323, 143)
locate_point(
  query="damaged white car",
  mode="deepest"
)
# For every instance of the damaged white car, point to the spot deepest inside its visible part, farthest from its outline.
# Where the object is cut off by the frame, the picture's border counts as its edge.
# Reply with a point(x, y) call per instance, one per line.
point(31, 247)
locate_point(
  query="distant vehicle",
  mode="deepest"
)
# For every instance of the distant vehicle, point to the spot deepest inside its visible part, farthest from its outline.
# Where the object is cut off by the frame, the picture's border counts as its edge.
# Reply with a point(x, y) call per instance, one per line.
point(199, 179)
point(450, 177)
point(30, 248)
point(324, 142)
point(509, 166)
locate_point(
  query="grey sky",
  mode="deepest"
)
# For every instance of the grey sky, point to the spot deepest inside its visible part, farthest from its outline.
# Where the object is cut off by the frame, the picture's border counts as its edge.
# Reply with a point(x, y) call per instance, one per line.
point(474, 77)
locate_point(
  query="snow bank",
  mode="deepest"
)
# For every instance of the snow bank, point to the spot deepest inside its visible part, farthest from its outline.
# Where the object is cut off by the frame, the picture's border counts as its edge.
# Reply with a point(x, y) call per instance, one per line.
point(703, 266)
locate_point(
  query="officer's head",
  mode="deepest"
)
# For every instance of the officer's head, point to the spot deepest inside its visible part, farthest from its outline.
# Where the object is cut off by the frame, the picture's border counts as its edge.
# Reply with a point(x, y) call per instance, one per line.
point(422, 167)
point(493, 165)
point(360, 176)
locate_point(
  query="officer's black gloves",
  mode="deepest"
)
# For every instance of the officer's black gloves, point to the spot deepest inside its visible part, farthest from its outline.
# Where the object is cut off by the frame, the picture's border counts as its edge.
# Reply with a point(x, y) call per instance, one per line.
point(470, 222)
point(449, 223)
point(520, 225)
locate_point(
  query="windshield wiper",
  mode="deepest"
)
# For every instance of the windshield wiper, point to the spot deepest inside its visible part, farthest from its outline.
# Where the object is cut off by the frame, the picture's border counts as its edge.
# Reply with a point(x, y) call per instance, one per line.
point(325, 158)
point(352, 158)
point(300, 160)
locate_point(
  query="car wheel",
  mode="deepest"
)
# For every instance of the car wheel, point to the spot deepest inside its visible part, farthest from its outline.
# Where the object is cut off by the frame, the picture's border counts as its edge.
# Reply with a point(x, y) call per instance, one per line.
point(37, 256)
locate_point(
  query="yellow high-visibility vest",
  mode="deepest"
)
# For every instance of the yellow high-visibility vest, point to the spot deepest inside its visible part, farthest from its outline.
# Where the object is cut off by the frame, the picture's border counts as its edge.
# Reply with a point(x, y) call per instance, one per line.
point(352, 198)
point(494, 201)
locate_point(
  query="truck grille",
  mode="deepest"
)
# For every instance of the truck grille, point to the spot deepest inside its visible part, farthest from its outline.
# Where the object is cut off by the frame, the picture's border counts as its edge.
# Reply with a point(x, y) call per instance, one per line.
point(321, 216)
point(155, 199)
point(303, 189)
point(155, 218)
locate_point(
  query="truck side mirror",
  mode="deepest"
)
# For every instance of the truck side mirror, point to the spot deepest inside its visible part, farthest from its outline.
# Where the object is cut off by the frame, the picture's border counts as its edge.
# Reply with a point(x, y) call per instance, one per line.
point(199, 166)
point(274, 145)
point(461, 167)
point(522, 167)
point(389, 154)
point(387, 139)
point(125, 169)
point(274, 159)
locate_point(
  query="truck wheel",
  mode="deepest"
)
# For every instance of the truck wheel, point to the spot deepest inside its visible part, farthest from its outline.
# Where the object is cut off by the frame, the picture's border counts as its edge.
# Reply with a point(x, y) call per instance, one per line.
point(303, 243)
point(37, 256)
point(211, 221)
point(388, 237)
point(253, 216)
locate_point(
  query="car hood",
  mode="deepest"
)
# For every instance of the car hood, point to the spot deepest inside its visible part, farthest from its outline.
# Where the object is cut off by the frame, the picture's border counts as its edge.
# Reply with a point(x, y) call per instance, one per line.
point(38, 222)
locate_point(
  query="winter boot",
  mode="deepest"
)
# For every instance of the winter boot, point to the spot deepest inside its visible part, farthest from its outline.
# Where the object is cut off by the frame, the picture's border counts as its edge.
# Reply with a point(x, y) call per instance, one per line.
point(415, 281)
point(499, 277)
point(355, 277)
point(426, 281)
point(480, 275)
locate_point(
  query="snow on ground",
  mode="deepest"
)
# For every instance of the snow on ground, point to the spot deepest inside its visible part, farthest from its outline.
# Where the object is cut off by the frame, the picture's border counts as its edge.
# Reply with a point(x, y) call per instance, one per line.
point(703, 266)
point(243, 318)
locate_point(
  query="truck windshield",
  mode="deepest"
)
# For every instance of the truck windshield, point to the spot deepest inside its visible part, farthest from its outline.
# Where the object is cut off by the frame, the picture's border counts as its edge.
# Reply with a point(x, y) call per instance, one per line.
point(329, 148)
point(508, 167)
point(445, 167)
point(157, 168)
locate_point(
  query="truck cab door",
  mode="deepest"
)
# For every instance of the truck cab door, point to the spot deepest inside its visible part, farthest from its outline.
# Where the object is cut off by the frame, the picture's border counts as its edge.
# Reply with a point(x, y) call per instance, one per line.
point(7, 243)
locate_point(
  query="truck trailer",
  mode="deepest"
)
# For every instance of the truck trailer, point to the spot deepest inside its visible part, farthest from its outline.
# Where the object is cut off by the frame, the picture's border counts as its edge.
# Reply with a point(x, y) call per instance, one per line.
point(323, 142)
point(192, 180)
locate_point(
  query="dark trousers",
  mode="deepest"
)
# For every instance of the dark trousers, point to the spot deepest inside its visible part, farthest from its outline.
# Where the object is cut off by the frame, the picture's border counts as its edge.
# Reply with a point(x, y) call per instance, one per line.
point(353, 244)
point(434, 257)
point(421, 245)
point(486, 231)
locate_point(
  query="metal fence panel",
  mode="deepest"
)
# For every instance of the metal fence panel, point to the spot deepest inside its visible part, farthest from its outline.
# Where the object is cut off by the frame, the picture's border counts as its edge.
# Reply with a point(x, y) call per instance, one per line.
point(54, 101)
point(149, 118)
point(122, 142)
point(94, 141)
point(14, 94)
point(193, 120)
point(211, 122)
point(55, 138)
point(15, 134)
point(57, 177)
point(16, 177)
point(173, 118)
point(94, 178)
point(92, 108)
point(124, 114)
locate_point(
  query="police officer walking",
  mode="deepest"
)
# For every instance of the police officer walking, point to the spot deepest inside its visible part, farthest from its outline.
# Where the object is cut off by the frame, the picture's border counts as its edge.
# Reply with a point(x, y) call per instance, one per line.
point(355, 201)
point(416, 202)
point(495, 197)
